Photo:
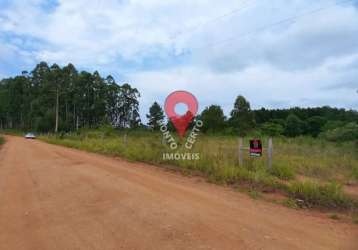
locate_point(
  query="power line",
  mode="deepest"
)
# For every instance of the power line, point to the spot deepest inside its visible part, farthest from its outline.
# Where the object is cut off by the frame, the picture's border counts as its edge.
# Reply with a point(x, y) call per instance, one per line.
point(289, 19)
point(246, 4)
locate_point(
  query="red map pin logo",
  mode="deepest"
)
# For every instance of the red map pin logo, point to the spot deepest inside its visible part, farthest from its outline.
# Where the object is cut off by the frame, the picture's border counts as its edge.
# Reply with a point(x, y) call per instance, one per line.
point(181, 122)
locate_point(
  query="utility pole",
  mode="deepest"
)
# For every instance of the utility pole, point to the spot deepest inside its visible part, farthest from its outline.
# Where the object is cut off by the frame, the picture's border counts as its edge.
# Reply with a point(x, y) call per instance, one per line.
point(57, 109)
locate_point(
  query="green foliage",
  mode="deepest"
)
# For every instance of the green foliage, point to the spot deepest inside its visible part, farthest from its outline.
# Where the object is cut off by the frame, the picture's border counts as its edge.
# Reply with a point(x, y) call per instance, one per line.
point(2, 140)
point(291, 203)
point(314, 125)
point(254, 194)
point(294, 126)
point(242, 118)
point(335, 117)
point(349, 132)
point(284, 172)
point(213, 119)
point(331, 125)
point(51, 97)
point(314, 194)
point(155, 116)
point(272, 129)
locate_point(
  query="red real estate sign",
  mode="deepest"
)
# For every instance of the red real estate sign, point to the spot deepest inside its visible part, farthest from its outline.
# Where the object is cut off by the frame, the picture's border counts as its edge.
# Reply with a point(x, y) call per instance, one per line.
point(255, 148)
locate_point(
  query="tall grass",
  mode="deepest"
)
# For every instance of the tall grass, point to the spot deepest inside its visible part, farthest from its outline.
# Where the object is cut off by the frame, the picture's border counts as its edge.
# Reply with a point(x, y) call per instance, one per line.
point(327, 195)
point(294, 159)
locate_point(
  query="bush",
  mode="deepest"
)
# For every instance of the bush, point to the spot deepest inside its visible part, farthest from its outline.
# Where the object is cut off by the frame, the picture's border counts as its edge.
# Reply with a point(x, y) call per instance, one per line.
point(349, 132)
point(108, 130)
point(294, 126)
point(284, 172)
point(2, 140)
point(315, 124)
point(272, 129)
point(328, 195)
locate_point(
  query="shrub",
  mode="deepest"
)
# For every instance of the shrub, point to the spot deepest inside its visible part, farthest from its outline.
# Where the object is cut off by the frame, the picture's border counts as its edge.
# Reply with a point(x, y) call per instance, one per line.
point(315, 124)
point(272, 129)
point(313, 194)
point(347, 133)
point(2, 140)
point(294, 126)
point(254, 194)
point(291, 203)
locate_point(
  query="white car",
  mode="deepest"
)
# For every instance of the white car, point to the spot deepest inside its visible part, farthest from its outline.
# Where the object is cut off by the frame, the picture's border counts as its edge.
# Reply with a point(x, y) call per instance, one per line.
point(30, 136)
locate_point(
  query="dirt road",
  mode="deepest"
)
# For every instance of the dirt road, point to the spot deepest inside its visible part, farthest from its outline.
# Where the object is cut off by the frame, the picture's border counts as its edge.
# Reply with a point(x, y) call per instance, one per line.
point(57, 198)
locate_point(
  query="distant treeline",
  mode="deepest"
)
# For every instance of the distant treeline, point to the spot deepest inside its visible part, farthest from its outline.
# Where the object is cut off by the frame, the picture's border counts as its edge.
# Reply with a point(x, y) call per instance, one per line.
point(51, 98)
point(331, 123)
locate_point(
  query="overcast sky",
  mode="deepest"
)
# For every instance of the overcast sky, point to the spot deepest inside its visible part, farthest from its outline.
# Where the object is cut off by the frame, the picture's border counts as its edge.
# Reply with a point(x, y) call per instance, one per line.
point(277, 53)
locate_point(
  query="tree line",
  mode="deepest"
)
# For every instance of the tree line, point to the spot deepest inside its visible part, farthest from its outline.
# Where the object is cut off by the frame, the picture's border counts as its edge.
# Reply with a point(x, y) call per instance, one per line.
point(332, 123)
point(54, 98)
point(51, 98)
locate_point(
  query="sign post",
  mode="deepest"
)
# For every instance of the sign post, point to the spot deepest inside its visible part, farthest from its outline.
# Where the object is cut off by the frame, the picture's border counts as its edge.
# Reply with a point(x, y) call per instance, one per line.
point(241, 161)
point(269, 152)
point(255, 148)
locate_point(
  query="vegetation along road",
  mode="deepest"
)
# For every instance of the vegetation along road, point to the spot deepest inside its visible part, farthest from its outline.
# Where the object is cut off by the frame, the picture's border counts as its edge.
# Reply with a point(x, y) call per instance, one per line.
point(53, 197)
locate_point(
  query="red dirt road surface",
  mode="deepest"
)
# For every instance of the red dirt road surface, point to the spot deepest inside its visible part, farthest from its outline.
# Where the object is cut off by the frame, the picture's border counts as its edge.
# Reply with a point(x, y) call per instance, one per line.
point(53, 197)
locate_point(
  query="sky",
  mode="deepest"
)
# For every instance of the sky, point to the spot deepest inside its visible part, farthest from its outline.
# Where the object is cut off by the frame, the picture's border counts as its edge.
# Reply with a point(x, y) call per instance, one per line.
point(276, 53)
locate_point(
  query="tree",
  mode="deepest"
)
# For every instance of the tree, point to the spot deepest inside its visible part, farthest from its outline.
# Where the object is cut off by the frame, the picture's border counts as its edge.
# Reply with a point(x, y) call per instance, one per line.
point(213, 119)
point(129, 107)
point(349, 132)
point(242, 118)
point(113, 105)
point(56, 82)
point(294, 126)
point(61, 99)
point(155, 116)
point(315, 125)
point(272, 129)
point(70, 108)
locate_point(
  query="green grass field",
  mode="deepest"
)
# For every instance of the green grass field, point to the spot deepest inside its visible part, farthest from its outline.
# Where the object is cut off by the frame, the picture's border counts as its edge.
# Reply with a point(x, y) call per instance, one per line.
point(310, 171)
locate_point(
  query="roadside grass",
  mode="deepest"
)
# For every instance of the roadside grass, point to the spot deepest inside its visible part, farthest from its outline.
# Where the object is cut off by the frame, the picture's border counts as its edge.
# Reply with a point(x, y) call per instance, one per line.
point(2, 140)
point(12, 132)
point(329, 163)
point(284, 172)
point(291, 203)
point(254, 194)
point(316, 195)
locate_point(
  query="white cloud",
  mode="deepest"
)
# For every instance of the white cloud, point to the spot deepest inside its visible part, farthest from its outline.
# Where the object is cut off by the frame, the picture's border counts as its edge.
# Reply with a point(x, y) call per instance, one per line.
point(308, 61)
point(263, 85)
